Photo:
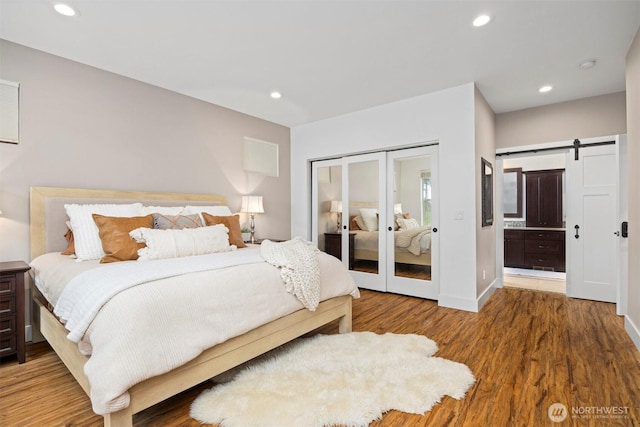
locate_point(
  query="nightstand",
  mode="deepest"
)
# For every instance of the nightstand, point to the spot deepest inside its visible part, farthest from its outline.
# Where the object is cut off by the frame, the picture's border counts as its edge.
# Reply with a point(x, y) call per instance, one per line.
point(12, 309)
point(333, 246)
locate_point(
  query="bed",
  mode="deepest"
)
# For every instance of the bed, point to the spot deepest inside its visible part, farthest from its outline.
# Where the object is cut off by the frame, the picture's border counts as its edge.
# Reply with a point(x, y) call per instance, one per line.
point(48, 226)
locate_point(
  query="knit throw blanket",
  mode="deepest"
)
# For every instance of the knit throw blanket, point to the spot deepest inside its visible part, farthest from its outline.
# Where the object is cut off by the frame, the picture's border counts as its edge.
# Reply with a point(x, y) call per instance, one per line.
point(299, 268)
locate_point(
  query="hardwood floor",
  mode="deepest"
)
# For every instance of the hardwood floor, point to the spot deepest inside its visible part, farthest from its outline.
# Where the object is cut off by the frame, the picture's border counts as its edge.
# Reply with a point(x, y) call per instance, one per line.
point(527, 350)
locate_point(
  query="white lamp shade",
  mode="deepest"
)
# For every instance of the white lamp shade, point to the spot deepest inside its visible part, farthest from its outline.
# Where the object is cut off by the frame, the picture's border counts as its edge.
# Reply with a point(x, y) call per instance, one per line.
point(336, 206)
point(252, 204)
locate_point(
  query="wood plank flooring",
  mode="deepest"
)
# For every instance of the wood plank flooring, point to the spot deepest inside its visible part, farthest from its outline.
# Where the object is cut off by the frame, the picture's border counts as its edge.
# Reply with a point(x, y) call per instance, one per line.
point(527, 350)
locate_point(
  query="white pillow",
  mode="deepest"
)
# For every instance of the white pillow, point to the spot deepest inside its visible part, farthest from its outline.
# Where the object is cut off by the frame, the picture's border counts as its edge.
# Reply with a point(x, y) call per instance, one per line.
point(85, 232)
point(180, 243)
point(370, 218)
point(407, 223)
point(163, 210)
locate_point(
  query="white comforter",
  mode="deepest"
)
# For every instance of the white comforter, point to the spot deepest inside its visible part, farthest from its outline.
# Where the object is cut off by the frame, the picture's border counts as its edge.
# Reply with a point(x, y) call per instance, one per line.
point(154, 327)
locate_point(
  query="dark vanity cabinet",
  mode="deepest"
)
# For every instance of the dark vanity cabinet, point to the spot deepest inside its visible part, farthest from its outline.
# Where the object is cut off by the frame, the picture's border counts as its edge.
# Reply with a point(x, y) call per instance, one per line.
point(514, 248)
point(534, 249)
point(544, 198)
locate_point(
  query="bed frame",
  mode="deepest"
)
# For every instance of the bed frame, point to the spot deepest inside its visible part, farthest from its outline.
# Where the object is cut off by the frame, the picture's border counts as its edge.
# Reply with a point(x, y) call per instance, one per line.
point(47, 231)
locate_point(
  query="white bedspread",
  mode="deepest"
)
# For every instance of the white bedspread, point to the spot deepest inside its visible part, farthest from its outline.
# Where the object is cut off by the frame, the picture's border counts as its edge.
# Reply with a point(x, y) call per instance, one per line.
point(87, 292)
point(152, 328)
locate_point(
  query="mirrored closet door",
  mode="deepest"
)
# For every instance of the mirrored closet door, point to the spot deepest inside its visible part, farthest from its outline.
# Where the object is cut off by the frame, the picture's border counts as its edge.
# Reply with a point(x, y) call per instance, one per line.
point(377, 213)
point(412, 252)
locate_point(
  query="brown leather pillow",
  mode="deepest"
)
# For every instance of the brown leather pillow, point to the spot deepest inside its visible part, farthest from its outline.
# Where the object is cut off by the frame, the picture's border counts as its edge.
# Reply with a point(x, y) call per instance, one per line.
point(114, 235)
point(232, 222)
point(71, 247)
point(353, 225)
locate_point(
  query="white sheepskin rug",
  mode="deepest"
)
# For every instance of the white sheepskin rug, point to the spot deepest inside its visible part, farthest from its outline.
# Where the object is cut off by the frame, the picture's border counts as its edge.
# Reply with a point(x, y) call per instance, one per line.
point(350, 379)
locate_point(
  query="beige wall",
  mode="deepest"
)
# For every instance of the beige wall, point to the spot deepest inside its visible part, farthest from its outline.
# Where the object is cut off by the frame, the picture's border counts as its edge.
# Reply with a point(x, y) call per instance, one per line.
point(485, 236)
point(633, 168)
point(85, 127)
point(582, 118)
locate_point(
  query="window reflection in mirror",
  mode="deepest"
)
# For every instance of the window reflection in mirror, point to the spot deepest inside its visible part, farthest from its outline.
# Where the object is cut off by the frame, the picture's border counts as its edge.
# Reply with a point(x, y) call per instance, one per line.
point(512, 196)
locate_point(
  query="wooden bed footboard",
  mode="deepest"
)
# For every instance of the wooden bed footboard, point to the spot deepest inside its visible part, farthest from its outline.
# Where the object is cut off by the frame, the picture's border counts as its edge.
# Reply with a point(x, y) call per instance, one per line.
point(210, 363)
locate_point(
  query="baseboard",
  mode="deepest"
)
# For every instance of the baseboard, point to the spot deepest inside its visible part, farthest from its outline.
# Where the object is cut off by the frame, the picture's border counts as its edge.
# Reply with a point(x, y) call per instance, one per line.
point(458, 303)
point(632, 330)
point(466, 304)
point(482, 299)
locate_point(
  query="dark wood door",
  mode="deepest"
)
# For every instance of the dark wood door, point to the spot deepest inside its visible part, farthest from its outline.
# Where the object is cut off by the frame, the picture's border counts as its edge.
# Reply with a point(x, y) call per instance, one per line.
point(544, 199)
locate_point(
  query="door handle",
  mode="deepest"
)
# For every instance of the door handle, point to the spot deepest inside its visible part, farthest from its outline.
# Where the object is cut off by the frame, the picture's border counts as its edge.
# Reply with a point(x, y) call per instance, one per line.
point(434, 229)
point(577, 227)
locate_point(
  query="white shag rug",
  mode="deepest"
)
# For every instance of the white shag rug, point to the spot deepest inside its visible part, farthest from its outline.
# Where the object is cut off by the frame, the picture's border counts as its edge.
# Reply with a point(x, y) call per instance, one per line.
point(350, 379)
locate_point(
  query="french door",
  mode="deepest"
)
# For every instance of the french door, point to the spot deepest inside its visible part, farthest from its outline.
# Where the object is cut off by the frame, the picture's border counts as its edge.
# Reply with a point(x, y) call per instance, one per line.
point(378, 212)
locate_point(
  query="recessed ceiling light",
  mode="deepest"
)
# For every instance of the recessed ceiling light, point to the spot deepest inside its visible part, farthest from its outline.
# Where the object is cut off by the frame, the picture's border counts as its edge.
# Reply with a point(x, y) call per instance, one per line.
point(481, 20)
point(65, 9)
point(589, 63)
point(276, 95)
point(544, 89)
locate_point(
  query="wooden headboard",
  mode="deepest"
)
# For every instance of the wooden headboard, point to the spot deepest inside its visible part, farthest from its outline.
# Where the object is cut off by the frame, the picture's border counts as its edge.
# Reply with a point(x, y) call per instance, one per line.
point(48, 216)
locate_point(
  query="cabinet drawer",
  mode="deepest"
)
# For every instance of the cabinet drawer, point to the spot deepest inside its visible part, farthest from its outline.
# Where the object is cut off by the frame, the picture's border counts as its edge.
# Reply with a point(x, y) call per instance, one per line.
point(544, 235)
point(8, 344)
point(7, 326)
point(514, 234)
point(547, 261)
point(543, 246)
point(7, 305)
point(7, 285)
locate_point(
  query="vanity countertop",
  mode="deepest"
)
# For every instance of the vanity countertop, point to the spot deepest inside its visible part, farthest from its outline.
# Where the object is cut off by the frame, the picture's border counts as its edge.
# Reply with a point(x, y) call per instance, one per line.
point(534, 228)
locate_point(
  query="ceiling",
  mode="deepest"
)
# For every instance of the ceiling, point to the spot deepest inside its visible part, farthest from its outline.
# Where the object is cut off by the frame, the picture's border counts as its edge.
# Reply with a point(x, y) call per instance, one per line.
point(333, 57)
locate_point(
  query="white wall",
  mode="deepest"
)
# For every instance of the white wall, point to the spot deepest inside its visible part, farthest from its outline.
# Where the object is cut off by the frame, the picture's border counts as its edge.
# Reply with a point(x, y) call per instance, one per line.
point(485, 147)
point(446, 117)
point(632, 319)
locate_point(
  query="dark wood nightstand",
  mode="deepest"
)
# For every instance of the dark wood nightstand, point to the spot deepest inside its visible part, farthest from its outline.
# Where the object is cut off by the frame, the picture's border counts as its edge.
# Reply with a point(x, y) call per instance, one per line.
point(12, 308)
point(333, 246)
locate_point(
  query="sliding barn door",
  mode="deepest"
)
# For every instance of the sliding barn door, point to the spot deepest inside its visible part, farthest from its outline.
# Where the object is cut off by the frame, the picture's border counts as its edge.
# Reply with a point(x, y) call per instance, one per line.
point(592, 243)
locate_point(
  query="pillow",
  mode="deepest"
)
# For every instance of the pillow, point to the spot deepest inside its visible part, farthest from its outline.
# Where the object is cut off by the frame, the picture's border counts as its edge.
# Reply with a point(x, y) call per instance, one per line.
point(370, 218)
point(164, 210)
point(232, 223)
point(114, 235)
point(211, 210)
point(360, 223)
point(85, 231)
point(353, 224)
point(176, 222)
point(180, 243)
point(407, 224)
point(70, 250)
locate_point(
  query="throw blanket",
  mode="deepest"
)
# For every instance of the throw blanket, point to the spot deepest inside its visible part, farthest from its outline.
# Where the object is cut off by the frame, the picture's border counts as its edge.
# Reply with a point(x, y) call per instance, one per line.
point(86, 293)
point(299, 268)
point(410, 239)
